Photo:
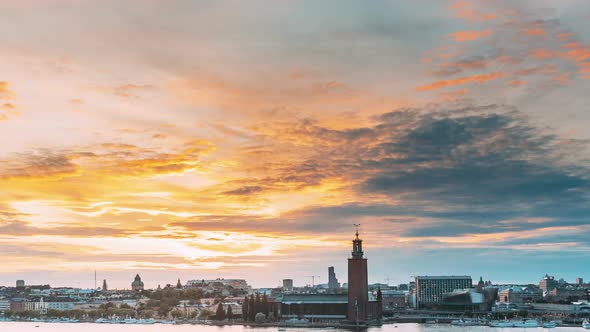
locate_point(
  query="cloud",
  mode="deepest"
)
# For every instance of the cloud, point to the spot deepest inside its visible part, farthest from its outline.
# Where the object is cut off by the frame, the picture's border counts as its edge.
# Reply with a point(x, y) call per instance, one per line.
point(460, 36)
point(41, 163)
point(4, 91)
point(462, 170)
point(108, 159)
point(244, 191)
point(7, 109)
point(478, 79)
point(466, 10)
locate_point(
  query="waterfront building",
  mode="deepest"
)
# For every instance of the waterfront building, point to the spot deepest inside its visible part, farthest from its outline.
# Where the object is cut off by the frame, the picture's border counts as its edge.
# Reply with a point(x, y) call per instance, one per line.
point(17, 304)
point(358, 285)
point(360, 309)
point(568, 294)
point(226, 287)
point(104, 286)
point(314, 306)
point(4, 304)
point(332, 280)
point(288, 285)
point(472, 299)
point(20, 284)
point(394, 299)
point(548, 283)
point(137, 284)
point(519, 295)
point(579, 281)
point(60, 305)
point(429, 290)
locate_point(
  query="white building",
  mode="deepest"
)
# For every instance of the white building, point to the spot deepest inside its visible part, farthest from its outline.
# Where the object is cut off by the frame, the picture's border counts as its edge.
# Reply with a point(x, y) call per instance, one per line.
point(60, 305)
point(4, 305)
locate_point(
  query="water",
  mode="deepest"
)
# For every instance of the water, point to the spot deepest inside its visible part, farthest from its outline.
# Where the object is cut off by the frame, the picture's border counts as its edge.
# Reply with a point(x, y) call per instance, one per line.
point(90, 327)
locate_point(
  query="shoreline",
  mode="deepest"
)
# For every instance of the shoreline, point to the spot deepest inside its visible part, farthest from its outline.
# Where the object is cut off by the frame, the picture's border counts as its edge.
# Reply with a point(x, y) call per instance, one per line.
point(255, 325)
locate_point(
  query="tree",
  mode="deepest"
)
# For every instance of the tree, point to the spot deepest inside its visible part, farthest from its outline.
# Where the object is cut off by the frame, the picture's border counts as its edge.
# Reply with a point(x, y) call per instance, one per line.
point(205, 314)
point(264, 305)
point(124, 306)
point(251, 309)
point(230, 313)
point(177, 313)
point(220, 313)
point(245, 309)
point(257, 304)
point(260, 318)
point(164, 310)
point(106, 306)
point(146, 314)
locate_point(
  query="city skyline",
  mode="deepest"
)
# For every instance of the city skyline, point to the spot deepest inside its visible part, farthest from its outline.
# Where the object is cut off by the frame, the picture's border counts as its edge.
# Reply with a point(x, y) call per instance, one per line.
point(180, 139)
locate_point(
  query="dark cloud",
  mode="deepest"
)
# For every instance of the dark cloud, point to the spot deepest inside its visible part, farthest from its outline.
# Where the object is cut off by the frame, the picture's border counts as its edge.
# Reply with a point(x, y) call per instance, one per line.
point(467, 169)
point(37, 163)
point(244, 191)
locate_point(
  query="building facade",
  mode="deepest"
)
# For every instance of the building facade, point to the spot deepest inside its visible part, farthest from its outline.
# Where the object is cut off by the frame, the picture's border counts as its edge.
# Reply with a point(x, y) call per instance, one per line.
point(137, 284)
point(394, 299)
point(360, 308)
point(20, 284)
point(548, 283)
point(358, 284)
point(520, 295)
point(4, 305)
point(332, 280)
point(429, 290)
point(288, 285)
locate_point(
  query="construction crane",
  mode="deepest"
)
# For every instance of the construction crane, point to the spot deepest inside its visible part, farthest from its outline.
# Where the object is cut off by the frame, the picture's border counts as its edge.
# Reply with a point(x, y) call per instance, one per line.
point(313, 280)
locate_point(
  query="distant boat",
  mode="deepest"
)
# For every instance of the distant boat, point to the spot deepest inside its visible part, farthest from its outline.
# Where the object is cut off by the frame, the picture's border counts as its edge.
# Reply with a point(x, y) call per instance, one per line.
point(501, 323)
point(297, 322)
point(525, 323)
point(586, 324)
point(462, 322)
point(550, 325)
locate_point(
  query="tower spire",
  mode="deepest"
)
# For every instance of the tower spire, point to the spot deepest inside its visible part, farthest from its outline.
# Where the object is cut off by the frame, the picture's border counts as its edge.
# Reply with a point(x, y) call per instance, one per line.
point(357, 244)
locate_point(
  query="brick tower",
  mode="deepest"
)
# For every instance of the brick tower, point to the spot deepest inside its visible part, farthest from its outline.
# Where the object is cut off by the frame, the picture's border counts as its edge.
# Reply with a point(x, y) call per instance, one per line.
point(358, 285)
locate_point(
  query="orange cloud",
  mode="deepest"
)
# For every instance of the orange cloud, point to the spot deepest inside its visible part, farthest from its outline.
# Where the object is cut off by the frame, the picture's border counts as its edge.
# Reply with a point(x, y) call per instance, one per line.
point(4, 91)
point(543, 53)
point(515, 83)
point(464, 9)
point(460, 36)
point(535, 32)
point(453, 95)
point(546, 69)
point(462, 80)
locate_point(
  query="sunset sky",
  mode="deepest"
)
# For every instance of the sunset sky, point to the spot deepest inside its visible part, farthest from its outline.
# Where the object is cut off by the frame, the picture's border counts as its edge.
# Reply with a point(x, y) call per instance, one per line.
point(243, 139)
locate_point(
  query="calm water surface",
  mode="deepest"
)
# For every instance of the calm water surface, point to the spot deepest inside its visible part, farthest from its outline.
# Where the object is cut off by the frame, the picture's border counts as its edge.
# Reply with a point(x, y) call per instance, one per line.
point(89, 327)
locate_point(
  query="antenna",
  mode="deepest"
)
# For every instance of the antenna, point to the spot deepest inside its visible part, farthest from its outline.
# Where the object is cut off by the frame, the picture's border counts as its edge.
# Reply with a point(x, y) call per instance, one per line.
point(357, 230)
point(94, 279)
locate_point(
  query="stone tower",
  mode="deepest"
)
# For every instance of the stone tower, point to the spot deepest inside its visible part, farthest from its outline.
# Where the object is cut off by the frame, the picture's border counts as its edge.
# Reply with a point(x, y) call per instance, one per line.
point(358, 284)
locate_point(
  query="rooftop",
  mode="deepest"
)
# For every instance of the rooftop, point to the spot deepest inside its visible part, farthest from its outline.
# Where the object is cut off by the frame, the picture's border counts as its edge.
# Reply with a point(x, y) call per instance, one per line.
point(441, 277)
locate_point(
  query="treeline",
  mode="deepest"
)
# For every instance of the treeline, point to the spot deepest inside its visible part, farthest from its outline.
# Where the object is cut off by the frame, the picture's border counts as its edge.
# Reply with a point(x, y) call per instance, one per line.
point(77, 314)
point(256, 308)
point(163, 301)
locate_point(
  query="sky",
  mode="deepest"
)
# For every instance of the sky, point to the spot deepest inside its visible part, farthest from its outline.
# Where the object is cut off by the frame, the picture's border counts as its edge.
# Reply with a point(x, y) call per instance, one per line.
point(243, 139)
